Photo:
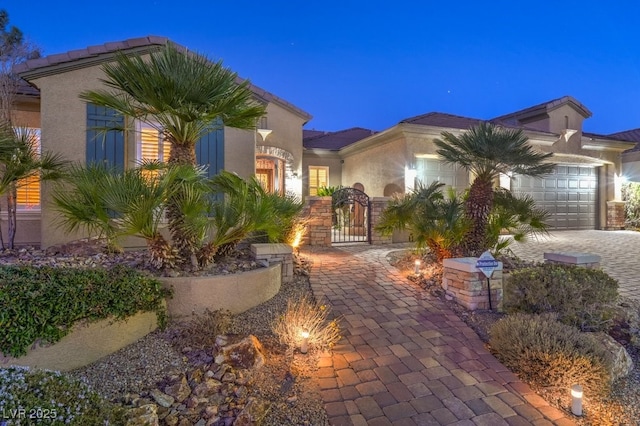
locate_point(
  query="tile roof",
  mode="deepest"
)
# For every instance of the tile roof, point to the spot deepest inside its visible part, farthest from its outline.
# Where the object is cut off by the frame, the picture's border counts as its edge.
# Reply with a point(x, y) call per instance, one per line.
point(514, 117)
point(95, 52)
point(632, 135)
point(440, 119)
point(335, 140)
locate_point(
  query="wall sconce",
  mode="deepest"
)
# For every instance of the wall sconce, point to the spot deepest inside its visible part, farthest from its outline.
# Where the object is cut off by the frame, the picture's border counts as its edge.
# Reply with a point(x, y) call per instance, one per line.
point(576, 400)
point(264, 133)
point(304, 346)
point(416, 269)
point(294, 175)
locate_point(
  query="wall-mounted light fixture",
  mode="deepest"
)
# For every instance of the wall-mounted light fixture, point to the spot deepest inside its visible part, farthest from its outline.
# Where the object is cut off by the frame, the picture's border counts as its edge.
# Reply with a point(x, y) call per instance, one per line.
point(264, 133)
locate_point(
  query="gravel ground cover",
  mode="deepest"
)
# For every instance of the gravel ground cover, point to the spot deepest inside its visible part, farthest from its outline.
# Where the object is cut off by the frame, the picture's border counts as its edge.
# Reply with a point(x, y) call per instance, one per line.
point(132, 375)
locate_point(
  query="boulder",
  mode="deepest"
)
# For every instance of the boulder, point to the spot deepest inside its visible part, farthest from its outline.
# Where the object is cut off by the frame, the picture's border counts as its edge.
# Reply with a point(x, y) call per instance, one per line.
point(253, 413)
point(621, 362)
point(247, 353)
point(144, 415)
point(180, 390)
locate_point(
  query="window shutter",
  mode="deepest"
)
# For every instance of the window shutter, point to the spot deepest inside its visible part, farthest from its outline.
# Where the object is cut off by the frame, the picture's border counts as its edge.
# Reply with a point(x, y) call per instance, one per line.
point(105, 137)
point(210, 151)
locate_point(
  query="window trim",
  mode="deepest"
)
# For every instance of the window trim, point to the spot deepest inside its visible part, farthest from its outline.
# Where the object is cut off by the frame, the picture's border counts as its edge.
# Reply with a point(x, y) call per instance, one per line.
point(316, 169)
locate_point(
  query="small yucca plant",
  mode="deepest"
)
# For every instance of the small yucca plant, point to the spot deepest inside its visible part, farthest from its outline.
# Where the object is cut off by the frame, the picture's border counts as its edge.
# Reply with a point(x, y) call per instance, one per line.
point(304, 315)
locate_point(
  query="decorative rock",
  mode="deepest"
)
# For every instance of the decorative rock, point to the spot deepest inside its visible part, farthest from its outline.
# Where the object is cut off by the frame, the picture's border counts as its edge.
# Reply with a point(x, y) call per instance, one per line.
point(144, 415)
point(621, 362)
point(247, 353)
point(162, 399)
point(253, 413)
point(207, 388)
point(180, 390)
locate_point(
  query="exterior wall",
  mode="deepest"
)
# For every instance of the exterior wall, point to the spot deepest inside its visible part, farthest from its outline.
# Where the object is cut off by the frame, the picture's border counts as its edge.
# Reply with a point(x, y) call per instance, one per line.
point(240, 152)
point(63, 124)
point(317, 210)
point(321, 158)
point(377, 166)
point(557, 122)
point(631, 166)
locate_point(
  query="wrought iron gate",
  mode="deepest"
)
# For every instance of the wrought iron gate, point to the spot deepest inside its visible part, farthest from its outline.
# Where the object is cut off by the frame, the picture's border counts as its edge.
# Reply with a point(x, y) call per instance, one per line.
point(351, 216)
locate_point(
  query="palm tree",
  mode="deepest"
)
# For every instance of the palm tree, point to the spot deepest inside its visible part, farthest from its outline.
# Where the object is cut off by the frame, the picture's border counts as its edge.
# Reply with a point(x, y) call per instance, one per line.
point(21, 163)
point(487, 151)
point(184, 96)
point(435, 221)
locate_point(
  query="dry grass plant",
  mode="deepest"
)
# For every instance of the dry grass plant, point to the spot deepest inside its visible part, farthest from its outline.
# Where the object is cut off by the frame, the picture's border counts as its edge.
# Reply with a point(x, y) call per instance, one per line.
point(547, 353)
point(303, 314)
point(200, 332)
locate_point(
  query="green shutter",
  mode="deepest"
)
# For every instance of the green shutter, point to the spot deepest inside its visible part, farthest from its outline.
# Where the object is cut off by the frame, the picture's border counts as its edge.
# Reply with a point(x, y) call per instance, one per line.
point(105, 137)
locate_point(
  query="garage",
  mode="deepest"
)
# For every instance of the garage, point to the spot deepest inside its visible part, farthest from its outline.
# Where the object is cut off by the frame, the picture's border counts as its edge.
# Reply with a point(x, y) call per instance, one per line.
point(569, 195)
point(429, 170)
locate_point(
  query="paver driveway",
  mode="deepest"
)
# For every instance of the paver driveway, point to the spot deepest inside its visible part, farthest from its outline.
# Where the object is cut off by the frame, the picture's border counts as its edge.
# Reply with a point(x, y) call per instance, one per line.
point(405, 358)
point(619, 250)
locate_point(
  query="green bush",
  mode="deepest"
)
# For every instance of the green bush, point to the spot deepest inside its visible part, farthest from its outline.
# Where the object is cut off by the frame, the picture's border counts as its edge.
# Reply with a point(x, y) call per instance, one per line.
point(44, 303)
point(45, 397)
point(631, 194)
point(579, 296)
point(547, 353)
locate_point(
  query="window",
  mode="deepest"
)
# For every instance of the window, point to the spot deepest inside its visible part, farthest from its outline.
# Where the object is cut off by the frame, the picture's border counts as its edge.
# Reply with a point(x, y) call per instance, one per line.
point(151, 145)
point(318, 177)
point(28, 189)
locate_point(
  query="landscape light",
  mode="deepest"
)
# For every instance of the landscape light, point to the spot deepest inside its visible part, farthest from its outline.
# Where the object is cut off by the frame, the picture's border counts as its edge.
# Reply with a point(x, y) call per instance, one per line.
point(304, 346)
point(576, 400)
point(417, 267)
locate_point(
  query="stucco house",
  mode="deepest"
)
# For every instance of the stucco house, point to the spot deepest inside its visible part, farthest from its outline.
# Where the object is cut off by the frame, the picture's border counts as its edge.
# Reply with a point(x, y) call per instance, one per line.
point(582, 193)
point(49, 101)
point(631, 157)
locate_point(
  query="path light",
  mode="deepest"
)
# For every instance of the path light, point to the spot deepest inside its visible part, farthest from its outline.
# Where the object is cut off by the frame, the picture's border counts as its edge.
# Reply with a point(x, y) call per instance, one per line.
point(576, 400)
point(417, 267)
point(304, 346)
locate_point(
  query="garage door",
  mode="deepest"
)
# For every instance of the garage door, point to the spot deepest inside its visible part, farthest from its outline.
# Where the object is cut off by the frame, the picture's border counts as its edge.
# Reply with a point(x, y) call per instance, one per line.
point(569, 195)
point(429, 170)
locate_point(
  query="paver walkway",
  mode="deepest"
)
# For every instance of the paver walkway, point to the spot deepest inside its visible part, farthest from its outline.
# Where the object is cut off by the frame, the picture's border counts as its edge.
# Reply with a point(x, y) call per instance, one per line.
point(405, 358)
point(618, 249)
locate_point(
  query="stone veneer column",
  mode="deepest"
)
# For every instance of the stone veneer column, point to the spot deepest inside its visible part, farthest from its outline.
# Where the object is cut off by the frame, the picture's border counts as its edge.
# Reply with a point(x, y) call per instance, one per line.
point(378, 204)
point(467, 285)
point(276, 253)
point(317, 210)
point(615, 215)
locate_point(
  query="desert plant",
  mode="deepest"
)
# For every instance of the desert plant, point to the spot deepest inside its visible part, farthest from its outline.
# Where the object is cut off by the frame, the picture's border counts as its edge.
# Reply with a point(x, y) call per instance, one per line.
point(201, 331)
point(44, 303)
point(631, 196)
point(436, 221)
point(488, 150)
point(579, 296)
point(305, 315)
point(48, 397)
point(327, 191)
point(547, 353)
point(516, 216)
point(184, 96)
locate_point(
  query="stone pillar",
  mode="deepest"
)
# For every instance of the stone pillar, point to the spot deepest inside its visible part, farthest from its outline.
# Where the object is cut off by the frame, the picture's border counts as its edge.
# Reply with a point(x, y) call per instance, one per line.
point(615, 215)
point(317, 210)
point(275, 253)
point(378, 204)
point(586, 260)
point(467, 285)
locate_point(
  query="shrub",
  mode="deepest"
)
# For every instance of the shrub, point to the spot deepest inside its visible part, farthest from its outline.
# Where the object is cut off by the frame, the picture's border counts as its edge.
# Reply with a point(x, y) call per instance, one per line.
point(51, 398)
point(581, 297)
point(201, 331)
point(44, 303)
point(545, 352)
point(303, 315)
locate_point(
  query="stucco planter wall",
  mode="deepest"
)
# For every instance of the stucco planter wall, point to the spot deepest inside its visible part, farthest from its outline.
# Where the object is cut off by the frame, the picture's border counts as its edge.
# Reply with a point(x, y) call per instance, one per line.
point(235, 292)
point(87, 343)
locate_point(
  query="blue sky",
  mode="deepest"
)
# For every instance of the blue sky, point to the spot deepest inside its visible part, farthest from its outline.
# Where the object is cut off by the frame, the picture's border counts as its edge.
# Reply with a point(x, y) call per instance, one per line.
point(373, 63)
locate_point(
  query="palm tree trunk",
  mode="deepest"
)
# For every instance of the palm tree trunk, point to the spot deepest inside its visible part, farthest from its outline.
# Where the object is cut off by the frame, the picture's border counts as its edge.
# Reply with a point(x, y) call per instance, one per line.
point(477, 209)
point(181, 154)
point(11, 216)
